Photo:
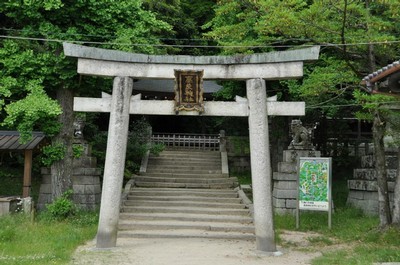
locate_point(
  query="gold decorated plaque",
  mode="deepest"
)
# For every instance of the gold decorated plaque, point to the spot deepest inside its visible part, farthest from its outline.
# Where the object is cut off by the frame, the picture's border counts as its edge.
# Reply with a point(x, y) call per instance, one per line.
point(189, 90)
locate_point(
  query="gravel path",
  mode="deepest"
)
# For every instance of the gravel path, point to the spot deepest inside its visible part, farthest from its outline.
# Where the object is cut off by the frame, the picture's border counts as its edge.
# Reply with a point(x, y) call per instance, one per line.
point(188, 251)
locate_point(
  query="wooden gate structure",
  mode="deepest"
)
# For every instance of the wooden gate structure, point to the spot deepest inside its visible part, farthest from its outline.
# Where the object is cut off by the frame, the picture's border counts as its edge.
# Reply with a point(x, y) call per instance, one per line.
point(125, 67)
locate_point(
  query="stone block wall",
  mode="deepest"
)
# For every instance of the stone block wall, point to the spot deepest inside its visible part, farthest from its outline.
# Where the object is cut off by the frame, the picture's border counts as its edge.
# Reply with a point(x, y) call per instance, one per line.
point(284, 194)
point(363, 187)
point(85, 183)
point(238, 149)
point(239, 163)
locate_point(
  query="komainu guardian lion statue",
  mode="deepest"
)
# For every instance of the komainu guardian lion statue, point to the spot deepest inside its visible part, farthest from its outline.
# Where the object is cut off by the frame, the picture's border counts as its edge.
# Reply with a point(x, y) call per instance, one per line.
point(301, 136)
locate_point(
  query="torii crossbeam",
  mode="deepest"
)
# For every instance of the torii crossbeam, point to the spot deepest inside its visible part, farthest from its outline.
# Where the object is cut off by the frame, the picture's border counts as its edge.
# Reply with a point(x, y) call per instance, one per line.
point(252, 68)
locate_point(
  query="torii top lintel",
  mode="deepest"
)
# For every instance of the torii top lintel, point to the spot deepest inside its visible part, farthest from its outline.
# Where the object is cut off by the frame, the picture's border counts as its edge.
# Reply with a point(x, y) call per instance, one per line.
point(271, 66)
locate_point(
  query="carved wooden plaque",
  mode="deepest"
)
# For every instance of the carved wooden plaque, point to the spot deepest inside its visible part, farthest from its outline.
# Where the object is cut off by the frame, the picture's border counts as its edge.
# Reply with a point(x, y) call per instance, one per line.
point(189, 90)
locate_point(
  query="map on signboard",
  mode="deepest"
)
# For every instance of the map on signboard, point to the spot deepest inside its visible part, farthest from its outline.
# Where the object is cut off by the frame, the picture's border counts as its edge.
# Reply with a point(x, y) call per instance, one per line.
point(314, 183)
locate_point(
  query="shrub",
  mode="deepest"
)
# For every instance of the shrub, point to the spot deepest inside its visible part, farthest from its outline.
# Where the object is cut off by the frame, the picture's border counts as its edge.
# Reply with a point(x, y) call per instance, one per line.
point(156, 149)
point(53, 153)
point(77, 150)
point(62, 207)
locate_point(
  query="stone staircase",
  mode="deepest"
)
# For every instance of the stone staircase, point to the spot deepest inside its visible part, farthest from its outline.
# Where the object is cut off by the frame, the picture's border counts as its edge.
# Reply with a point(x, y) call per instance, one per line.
point(184, 194)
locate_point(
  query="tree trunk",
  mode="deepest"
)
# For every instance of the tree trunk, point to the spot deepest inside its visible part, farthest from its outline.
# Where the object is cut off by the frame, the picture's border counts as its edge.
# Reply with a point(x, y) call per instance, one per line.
point(378, 130)
point(371, 56)
point(61, 171)
point(396, 197)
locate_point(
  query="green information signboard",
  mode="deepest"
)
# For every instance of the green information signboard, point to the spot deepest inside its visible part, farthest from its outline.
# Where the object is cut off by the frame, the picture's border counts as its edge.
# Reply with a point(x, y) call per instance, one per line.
point(314, 185)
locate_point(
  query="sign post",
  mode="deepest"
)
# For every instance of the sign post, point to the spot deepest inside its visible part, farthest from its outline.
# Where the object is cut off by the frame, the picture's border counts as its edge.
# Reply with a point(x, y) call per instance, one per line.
point(314, 186)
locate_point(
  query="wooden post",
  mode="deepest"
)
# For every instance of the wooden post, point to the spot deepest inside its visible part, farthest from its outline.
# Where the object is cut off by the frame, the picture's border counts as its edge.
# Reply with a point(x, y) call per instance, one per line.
point(26, 190)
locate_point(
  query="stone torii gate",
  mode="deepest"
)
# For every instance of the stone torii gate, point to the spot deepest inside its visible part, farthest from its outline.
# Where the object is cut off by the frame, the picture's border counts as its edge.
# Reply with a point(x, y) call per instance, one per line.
point(254, 69)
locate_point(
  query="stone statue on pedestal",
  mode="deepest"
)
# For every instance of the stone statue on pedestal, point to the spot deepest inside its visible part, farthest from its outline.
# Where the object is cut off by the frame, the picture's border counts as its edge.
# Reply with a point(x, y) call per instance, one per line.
point(301, 137)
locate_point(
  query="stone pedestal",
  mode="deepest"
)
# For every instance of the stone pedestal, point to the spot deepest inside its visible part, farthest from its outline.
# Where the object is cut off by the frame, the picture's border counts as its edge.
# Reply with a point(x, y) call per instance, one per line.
point(85, 182)
point(8, 205)
point(284, 195)
point(363, 187)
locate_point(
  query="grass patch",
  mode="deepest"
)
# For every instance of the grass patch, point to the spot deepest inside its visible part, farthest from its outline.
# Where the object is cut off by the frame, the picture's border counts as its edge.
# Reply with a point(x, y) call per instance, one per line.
point(243, 177)
point(320, 241)
point(350, 226)
point(44, 241)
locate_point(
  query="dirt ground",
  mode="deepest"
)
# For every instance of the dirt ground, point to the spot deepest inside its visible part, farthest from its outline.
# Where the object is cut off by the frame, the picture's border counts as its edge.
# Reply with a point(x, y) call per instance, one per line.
point(297, 250)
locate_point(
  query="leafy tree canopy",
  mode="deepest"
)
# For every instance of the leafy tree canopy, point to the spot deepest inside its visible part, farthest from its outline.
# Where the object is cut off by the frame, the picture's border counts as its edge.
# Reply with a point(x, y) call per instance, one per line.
point(344, 29)
point(33, 65)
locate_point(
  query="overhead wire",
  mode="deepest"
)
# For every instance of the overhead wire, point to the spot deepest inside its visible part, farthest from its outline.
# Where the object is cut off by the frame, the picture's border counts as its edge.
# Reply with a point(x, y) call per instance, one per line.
point(319, 105)
point(195, 45)
point(350, 105)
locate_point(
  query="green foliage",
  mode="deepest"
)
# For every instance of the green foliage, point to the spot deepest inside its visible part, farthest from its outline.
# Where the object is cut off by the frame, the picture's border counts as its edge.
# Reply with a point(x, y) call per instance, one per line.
point(99, 146)
point(229, 90)
point(371, 103)
point(77, 150)
point(7, 229)
point(32, 70)
point(156, 149)
point(369, 251)
point(239, 145)
point(186, 18)
point(137, 146)
point(244, 177)
point(342, 28)
point(62, 207)
point(53, 153)
point(383, 105)
point(44, 241)
point(35, 108)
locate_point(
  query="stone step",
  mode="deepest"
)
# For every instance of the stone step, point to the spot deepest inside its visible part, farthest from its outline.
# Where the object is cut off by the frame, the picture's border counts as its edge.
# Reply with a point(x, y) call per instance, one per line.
point(186, 165)
point(190, 153)
point(183, 225)
point(184, 185)
point(189, 233)
point(186, 217)
point(185, 195)
point(184, 175)
point(220, 193)
point(200, 179)
point(185, 159)
point(192, 204)
point(184, 198)
point(183, 209)
point(189, 171)
point(180, 165)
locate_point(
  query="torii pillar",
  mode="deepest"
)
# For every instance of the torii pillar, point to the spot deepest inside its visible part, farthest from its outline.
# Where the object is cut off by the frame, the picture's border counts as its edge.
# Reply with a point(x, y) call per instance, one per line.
point(115, 162)
point(252, 68)
point(260, 165)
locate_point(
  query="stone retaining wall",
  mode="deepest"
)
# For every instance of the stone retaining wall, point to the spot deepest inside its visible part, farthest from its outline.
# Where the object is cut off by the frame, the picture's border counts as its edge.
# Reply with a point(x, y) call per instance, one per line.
point(85, 183)
point(284, 193)
point(363, 187)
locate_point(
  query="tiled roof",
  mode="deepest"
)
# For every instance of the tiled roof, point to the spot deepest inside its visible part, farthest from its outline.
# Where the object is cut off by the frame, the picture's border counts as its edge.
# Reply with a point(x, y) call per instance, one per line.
point(381, 73)
point(9, 140)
